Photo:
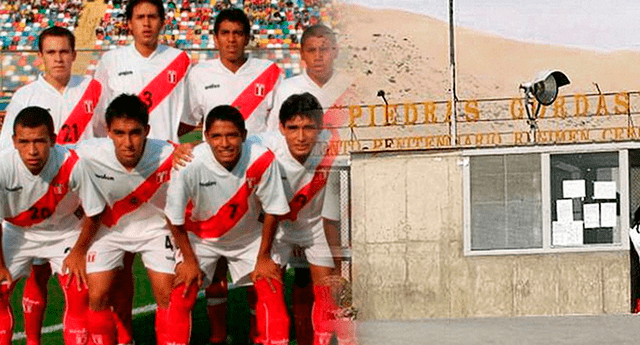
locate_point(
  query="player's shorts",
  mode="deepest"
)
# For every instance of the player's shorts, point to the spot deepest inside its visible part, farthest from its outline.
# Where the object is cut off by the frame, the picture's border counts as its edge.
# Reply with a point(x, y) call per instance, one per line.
point(241, 258)
point(19, 252)
point(316, 250)
point(107, 251)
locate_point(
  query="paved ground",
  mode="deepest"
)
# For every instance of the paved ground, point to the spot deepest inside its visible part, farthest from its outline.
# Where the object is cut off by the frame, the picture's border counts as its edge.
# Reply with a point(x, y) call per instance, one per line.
point(583, 330)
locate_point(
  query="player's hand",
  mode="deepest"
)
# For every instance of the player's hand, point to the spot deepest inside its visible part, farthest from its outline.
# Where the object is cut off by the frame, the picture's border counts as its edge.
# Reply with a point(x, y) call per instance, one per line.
point(5, 276)
point(182, 155)
point(75, 265)
point(188, 272)
point(266, 269)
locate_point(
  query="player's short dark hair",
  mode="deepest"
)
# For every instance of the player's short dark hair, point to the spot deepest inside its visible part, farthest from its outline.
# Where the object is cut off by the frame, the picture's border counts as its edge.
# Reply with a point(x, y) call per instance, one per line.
point(225, 113)
point(127, 106)
point(233, 15)
point(318, 30)
point(305, 105)
point(32, 117)
point(56, 31)
point(133, 3)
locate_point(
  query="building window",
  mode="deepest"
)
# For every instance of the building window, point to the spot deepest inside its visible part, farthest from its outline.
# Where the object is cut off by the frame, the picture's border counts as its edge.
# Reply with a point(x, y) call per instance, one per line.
point(506, 202)
point(549, 199)
point(585, 199)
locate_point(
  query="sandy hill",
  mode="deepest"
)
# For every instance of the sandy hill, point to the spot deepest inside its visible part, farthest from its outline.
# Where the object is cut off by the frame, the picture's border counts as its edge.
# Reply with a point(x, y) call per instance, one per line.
point(407, 55)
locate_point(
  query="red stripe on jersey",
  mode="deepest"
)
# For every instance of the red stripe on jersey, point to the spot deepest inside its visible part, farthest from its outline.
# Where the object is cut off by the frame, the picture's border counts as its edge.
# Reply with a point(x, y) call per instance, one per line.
point(251, 97)
point(162, 85)
point(139, 196)
point(230, 213)
point(81, 115)
point(307, 192)
point(44, 207)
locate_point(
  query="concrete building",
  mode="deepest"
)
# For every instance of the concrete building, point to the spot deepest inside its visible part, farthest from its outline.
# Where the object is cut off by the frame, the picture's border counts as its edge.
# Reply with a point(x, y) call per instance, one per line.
point(530, 230)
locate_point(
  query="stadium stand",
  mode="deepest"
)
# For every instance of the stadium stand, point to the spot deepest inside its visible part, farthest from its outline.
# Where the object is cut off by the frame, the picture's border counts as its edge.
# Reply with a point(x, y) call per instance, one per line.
point(277, 27)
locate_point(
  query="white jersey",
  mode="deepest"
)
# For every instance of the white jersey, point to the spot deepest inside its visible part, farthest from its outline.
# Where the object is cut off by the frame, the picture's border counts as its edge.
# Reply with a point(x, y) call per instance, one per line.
point(309, 202)
point(77, 93)
point(159, 80)
point(250, 89)
point(45, 211)
point(136, 198)
point(226, 204)
point(327, 95)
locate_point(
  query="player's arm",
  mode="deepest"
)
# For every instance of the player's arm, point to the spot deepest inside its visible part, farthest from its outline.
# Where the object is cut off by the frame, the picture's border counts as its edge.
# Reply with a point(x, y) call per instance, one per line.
point(187, 268)
point(5, 275)
point(271, 194)
point(265, 266)
point(332, 234)
point(75, 264)
point(331, 216)
point(192, 111)
point(93, 205)
point(275, 103)
point(102, 76)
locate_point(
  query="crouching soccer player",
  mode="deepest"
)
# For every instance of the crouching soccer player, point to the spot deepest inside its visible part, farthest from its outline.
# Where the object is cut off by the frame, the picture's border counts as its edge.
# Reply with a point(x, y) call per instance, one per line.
point(130, 172)
point(42, 186)
point(217, 198)
point(314, 207)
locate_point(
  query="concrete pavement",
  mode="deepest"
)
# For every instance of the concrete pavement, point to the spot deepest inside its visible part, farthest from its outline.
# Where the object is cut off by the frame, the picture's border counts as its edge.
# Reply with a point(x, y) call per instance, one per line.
point(543, 330)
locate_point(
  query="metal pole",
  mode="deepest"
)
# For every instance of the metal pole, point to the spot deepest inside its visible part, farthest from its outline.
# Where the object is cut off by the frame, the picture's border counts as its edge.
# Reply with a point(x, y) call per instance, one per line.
point(452, 60)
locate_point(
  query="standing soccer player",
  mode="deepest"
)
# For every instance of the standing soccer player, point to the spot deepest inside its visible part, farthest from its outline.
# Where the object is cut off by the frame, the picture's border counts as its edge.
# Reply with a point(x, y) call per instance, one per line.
point(154, 72)
point(224, 189)
point(318, 53)
point(130, 172)
point(42, 186)
point(157, 74)
point(235, 78)
point(70, 100)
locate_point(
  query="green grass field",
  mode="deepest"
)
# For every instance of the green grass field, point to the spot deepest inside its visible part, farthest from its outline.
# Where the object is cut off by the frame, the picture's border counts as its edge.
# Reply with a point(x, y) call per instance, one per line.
point(143, 324)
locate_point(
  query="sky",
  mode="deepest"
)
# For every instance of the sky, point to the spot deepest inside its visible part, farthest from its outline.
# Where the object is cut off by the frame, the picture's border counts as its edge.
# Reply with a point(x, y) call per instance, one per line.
point(602, 25)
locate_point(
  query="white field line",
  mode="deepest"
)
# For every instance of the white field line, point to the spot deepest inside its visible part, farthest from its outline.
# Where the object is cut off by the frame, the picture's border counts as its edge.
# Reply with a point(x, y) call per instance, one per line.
point(136, 311)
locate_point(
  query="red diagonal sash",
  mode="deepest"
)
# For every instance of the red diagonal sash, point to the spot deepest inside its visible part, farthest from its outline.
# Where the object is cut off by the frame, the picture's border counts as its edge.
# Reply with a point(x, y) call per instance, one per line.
point(162, 85)
point(307, 192)
point(44, 207)
point(139, 196)
point(81, 115)
point(249, 99)
point(230, 213)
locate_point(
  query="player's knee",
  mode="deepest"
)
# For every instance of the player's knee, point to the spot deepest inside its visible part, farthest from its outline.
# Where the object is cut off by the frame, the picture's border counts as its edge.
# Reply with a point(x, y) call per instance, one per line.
point(273, 301)
point(181, 301)
point(77, 300)
point(98, 298)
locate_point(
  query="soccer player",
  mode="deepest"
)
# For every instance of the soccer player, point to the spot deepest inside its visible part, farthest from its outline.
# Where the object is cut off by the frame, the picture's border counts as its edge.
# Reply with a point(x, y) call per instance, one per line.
point(42, 186)
point(246, 83)
point(235, 78)
point(157, 74)
point(130, 172)
point(154, 72)
point(314, 207)
point(318, 52)
point(224, 189)
point(71, 101)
